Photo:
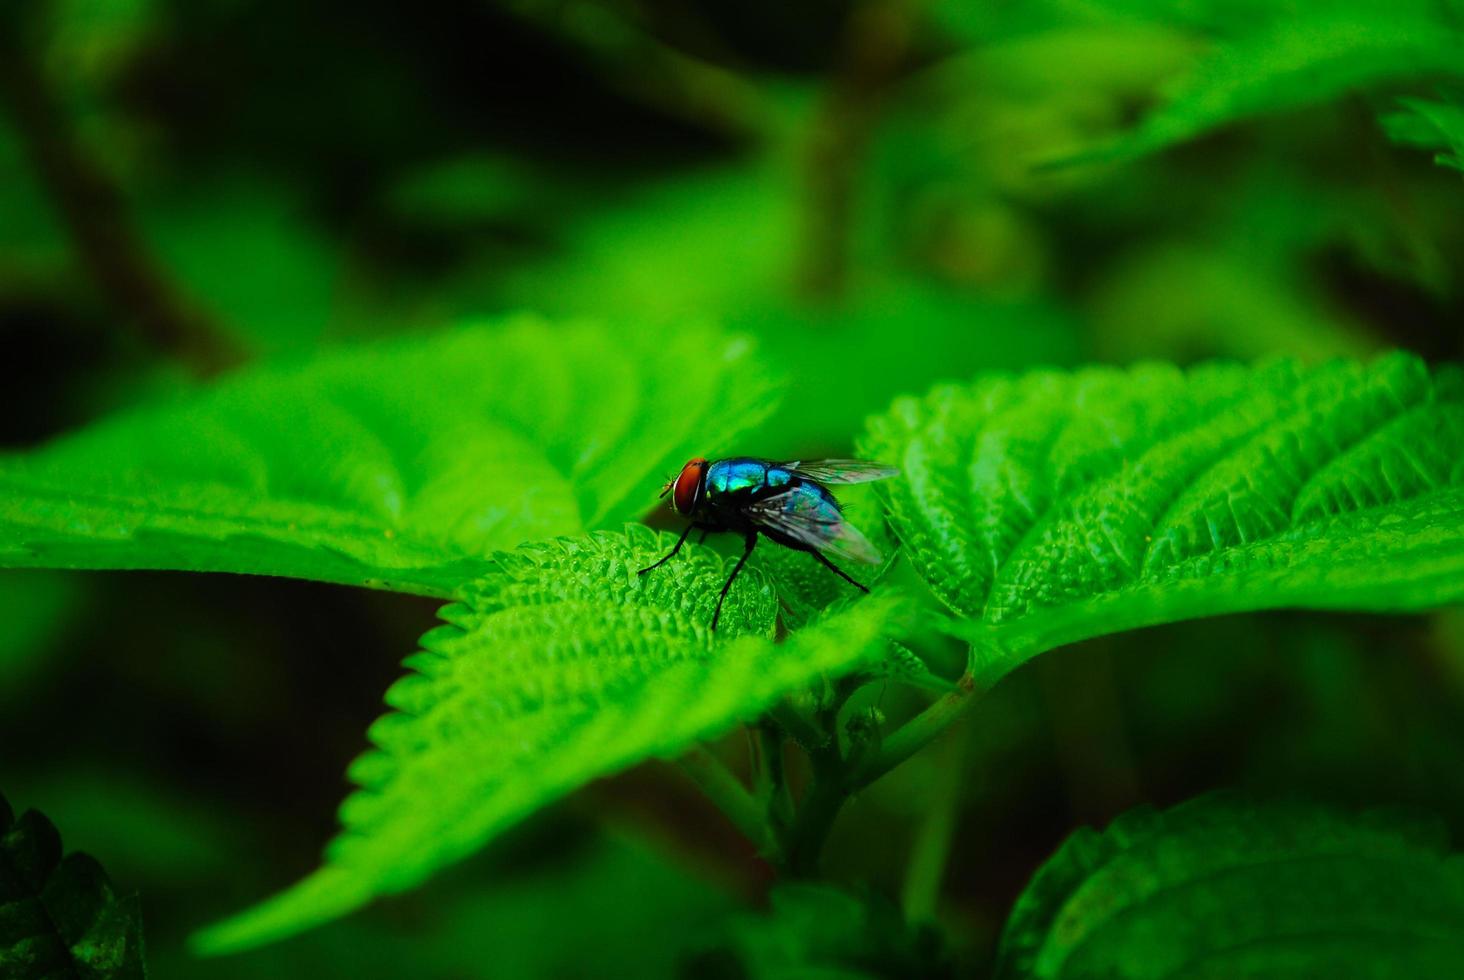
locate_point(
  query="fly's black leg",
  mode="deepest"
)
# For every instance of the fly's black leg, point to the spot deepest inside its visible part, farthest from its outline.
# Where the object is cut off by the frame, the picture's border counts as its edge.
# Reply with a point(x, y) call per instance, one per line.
point(751, 540)
point(838, 571)
point(705, 531)
point(679, 542)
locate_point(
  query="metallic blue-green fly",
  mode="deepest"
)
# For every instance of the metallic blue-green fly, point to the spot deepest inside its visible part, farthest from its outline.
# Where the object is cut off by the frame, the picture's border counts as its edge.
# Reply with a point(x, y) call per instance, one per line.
point(787, 502)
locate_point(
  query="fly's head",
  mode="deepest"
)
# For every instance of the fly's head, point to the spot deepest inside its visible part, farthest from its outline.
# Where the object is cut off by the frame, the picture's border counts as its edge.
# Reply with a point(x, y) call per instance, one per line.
point(688, 487)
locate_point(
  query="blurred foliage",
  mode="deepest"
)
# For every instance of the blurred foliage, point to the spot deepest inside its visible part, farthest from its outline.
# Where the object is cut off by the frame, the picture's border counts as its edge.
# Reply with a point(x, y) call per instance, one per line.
point(60, 916)
point(860, 199)
point(1432, 124)
point(1268, 891)
point(37, 605)
point(813, 931)
point(1279, 58)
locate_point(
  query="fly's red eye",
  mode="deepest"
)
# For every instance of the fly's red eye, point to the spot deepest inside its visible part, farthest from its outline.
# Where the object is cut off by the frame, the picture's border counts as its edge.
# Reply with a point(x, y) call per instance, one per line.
point(687, 485)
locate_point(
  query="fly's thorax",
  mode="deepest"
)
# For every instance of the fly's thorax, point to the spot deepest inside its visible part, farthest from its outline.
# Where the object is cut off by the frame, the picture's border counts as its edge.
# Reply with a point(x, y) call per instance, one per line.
point(744, 476)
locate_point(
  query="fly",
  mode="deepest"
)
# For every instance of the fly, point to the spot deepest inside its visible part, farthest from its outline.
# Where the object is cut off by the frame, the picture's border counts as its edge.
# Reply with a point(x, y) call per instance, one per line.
point(787, 502)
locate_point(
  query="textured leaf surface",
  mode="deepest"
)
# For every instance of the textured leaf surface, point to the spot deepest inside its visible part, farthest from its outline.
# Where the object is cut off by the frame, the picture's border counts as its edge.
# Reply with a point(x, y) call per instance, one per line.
point(59, 917)
point(1223, 888)
point(400, 465)
point(561, 666)
point(1051, 507)
point(1300, 60)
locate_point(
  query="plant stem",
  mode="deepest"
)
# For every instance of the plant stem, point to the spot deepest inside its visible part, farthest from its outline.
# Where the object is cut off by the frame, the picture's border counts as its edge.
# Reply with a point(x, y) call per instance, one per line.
point(920, 896)
point(835, 779)
point(795, 839)
point(914, 735)
point(96, 220)
point(873, 49)
point(632, 60)
point(729, 795)
point(816, 813)
point(803, 731)
point(773, 780)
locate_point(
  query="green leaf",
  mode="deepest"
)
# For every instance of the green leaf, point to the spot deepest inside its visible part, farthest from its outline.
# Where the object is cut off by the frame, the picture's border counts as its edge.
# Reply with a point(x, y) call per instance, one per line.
point(60, 917)
point(1296, 61)
point(1432, 125)
point(820, 933)
point(561, 666)
point(399, 465)
point(31, 239)
point(1224, 888)
point(709, 243)
point(292, 296)
point(531, 915)
point(1050, 507)
point(36, 608)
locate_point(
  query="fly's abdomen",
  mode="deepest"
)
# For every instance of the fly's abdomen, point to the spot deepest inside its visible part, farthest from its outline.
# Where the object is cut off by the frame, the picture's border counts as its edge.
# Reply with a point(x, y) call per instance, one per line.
point(813, 509)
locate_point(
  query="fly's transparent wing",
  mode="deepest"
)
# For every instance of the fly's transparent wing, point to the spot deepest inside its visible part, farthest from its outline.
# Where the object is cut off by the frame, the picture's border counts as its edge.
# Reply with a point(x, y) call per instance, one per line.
point(809, 518)
point(842, 470)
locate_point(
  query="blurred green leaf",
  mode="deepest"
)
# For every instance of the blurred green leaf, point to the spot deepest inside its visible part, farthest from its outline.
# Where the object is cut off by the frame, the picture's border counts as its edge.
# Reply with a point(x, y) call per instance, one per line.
point(472, 189)
point(245, 251)
point(815, 932)
point(993, 112)
point(399, 465)
point(1217, 17)
point(1319, 53)
point(701, 244)
point(725, 243)
point(153, 834)
point(1234, 303)
point(847, 361)
point(557, 918)
point(1431, 124)
point(561, 666)
point(1223, 888)
point(94, 37)
point(34, 607)
point(1047, 508)
point(60, 917)
point(630, 58)
point(32, 243)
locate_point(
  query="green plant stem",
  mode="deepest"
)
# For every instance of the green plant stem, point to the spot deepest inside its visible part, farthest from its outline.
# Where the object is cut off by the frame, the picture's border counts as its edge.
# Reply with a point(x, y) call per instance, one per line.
point(816, 813)
point(796, 838)
point(920, 896)
point(914, 735)
point(874, 47)
point(729, 795)
point(773, 782)
point(835, 780)
point(804, 838)
point(631, 60)
point(93, 211)
point(802, 731)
